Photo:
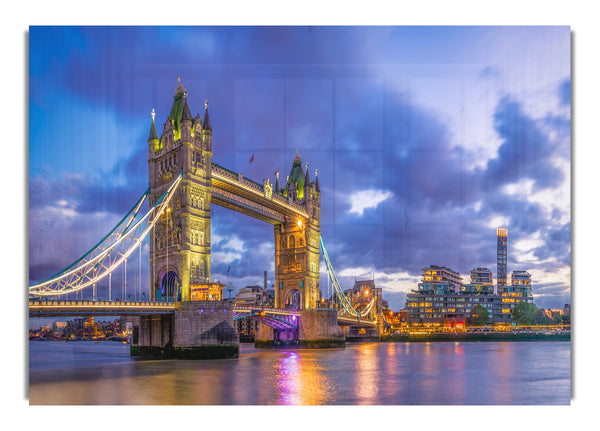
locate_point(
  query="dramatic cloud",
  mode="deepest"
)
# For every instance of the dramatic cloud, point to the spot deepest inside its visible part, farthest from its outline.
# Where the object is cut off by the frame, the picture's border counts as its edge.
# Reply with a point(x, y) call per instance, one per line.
point(425, 140)
point(525, 153)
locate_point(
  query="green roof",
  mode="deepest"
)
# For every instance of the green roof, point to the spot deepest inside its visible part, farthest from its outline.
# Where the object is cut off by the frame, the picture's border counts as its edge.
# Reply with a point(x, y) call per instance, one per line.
point(176, 111)
point(297, 177)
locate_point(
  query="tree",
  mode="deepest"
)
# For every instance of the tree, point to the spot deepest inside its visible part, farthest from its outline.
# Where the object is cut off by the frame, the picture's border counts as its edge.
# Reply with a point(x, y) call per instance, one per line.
point(524, 313)
point(479, 315)
point(541, 318)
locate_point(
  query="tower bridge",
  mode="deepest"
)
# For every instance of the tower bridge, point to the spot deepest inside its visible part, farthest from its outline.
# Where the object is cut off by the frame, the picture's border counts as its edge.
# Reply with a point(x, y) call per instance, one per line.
point(184, 183)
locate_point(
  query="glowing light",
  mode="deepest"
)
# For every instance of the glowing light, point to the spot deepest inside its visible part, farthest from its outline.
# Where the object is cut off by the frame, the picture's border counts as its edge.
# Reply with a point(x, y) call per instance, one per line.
point(299, 223)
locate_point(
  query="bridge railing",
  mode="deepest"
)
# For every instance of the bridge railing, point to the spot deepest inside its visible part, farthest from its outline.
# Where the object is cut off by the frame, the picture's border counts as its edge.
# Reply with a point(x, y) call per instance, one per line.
point(92, 303)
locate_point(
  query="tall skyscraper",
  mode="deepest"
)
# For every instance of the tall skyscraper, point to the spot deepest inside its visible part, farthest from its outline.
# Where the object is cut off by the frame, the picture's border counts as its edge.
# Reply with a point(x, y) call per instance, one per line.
point(501, 256)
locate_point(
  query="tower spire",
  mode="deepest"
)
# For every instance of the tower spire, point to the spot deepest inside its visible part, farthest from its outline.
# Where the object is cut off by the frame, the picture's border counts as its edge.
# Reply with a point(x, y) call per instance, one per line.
point(277, 186)
point(186, 114)
point(152, 127)
point(206, 123)
point(306, 177)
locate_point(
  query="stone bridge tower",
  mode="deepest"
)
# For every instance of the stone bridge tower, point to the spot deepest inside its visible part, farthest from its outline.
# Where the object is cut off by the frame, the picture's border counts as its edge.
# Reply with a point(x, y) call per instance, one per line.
point(297, 243)
point(180, 242)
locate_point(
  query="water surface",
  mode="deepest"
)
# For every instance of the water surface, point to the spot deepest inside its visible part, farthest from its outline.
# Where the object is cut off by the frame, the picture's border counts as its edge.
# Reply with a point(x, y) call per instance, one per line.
point(447, 373)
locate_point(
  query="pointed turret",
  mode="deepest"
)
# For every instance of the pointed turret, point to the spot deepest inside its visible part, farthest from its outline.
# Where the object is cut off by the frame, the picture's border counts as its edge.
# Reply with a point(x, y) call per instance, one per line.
point(206, 123)
point(186, 115)
point(317, 188)
point(197, 122)
point(306, 177)
point(277, 186)
point(186, 121)
point(206, 129)
point(153, 128)
point(153, 138)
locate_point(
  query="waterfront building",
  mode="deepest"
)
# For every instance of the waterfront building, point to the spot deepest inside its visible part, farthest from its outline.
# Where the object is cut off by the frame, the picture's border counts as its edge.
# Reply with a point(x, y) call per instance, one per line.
point(439, 280)
point(90, 330)
point(59, 328)
point(482, 282)
point(435, 301)
point(255, 296)
point(519, 289)
point(501, 257)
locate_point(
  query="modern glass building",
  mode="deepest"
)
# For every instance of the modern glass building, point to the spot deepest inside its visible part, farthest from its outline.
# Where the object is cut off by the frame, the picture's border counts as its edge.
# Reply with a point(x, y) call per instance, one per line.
point(437, 300)
point(501, 257)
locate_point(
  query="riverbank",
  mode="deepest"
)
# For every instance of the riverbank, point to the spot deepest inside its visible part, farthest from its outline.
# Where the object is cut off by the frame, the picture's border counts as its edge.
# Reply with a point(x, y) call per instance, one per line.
point(479, 336)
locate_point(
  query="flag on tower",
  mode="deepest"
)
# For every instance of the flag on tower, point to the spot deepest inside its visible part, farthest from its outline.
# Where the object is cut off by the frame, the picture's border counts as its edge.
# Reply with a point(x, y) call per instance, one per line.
point(251, 159)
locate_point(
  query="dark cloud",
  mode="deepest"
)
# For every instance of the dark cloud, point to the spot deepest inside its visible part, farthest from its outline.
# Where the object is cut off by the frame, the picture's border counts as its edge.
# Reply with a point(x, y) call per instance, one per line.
point(525, 151)
point(564, 92)
point(557, 244)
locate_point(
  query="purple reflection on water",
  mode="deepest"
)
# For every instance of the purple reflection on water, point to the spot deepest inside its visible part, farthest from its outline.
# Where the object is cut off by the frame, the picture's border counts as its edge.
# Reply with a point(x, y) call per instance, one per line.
point(289, 379)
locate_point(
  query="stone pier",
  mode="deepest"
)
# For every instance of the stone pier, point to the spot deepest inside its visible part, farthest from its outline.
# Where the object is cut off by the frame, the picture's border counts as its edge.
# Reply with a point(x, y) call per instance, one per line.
point(316, 329)
point(196, 330)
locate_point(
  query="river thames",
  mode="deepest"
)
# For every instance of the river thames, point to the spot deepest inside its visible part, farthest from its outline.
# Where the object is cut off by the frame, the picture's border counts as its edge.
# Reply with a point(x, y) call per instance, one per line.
point(445, 373)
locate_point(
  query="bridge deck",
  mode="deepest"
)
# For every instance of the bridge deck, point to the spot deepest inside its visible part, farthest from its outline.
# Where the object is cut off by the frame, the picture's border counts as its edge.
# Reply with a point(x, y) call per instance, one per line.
point(43, 308)
point(98, 308)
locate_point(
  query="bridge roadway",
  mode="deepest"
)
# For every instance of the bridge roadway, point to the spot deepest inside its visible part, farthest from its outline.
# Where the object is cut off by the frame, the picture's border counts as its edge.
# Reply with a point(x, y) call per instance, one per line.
point(54, 308)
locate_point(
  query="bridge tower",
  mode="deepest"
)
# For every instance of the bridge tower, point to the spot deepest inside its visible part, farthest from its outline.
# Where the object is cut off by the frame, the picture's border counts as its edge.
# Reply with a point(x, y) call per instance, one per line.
point(297, 243)
point(180, 242)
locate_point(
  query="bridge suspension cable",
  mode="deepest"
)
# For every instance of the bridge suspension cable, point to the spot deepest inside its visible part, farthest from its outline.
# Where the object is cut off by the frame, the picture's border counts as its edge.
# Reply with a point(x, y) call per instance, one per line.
point(346, 305)
point(110, 252)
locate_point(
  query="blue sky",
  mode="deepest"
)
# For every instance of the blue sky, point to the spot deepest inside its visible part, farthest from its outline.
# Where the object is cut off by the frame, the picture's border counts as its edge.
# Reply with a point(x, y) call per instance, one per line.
point(425, 138)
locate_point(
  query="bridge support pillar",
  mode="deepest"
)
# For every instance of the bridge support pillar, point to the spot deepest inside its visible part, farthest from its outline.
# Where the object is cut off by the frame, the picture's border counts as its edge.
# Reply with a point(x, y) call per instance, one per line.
point(316, 329)
point(356, 333)
point(196, 330)
point(269, 337)
point(319, 329)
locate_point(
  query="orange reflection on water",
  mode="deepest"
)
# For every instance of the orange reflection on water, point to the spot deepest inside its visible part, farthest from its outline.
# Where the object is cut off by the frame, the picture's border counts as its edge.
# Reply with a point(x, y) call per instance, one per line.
point(366, 374)
point(300, 380)
point(458, 380)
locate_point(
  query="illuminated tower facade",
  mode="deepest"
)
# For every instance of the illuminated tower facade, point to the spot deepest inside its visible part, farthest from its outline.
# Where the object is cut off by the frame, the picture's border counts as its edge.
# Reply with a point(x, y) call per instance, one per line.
point(180, 242)
point(297, 243)
point(501, 257)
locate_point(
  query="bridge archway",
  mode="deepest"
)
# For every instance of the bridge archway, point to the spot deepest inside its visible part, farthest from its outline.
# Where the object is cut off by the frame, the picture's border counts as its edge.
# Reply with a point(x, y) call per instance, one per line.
point(293, 299)
point(169, 286)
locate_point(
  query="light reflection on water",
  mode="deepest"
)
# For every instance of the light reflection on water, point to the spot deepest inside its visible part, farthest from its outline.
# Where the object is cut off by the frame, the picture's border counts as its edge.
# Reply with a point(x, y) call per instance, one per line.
point(362, 373)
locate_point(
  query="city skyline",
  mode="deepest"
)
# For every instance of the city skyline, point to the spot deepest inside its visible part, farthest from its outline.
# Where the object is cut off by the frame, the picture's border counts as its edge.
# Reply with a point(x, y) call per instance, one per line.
point(425, 139)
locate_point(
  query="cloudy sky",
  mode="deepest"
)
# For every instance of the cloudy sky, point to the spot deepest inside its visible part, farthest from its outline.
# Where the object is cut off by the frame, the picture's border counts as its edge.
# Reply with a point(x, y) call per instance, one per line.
point(425, 139)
